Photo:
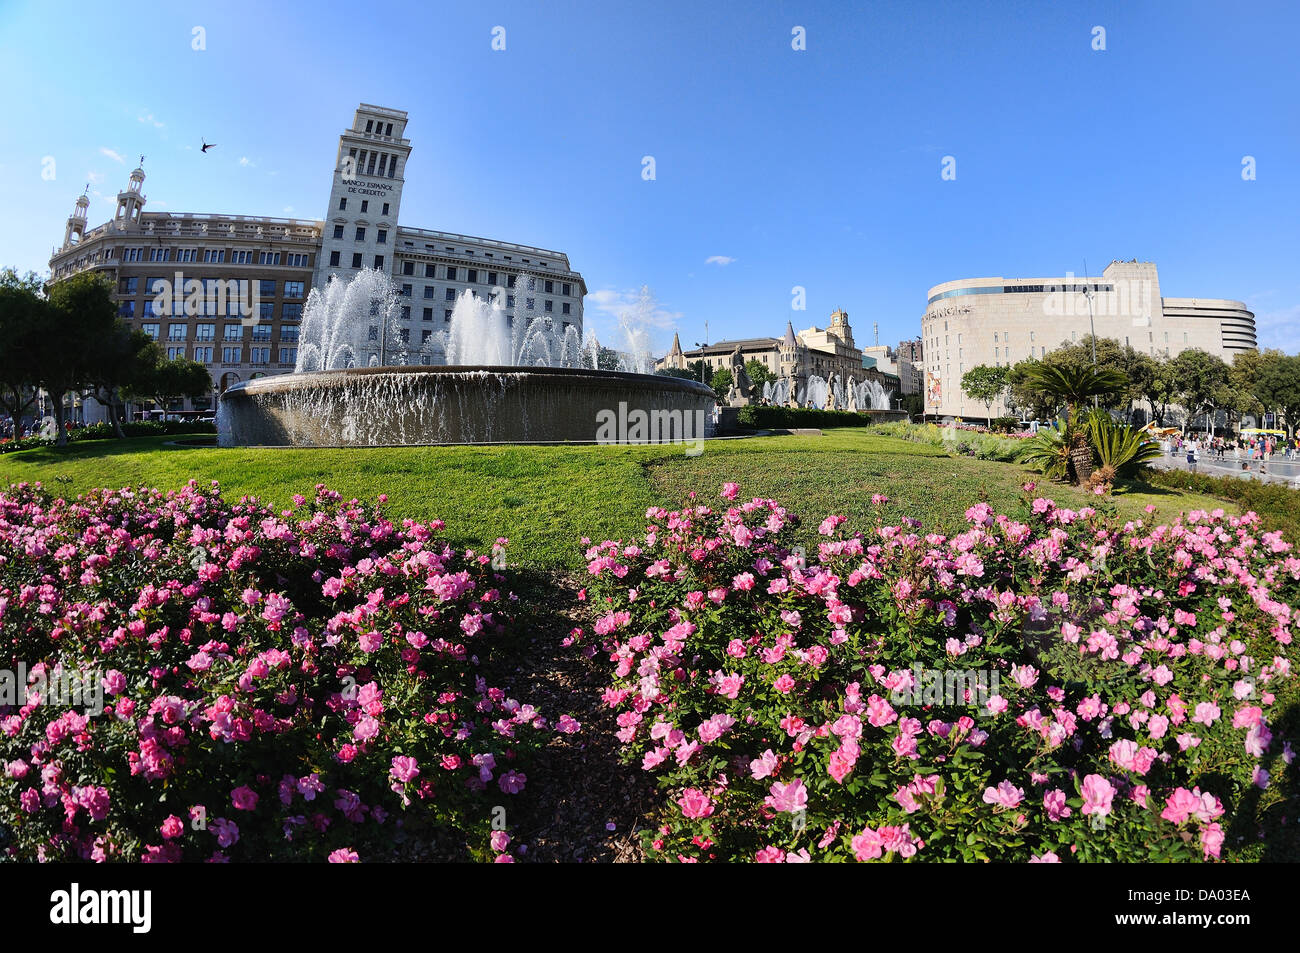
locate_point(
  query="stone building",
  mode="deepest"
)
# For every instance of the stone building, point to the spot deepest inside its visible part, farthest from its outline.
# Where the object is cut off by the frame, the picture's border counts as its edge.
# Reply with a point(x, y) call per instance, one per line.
point(814, 351)
point(229, 291)
point(1000, 321)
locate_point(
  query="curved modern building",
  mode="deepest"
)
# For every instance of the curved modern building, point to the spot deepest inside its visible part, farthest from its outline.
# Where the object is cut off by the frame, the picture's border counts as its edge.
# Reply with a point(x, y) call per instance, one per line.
point(1000, 321)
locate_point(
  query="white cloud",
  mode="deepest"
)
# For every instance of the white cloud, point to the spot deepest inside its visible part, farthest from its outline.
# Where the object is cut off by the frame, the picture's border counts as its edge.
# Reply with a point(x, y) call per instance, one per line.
point(94, 177)
point(637, 304)
point(245, 161)
point(104, 150)
point(721, 260)
point(1279, 329)
point(149, 120)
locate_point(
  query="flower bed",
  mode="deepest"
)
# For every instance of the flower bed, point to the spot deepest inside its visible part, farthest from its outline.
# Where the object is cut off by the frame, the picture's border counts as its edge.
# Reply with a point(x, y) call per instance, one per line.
point(290, 685)
point(1046, 688)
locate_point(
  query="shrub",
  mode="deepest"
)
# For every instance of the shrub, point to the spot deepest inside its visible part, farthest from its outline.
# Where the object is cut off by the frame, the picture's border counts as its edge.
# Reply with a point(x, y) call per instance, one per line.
point(1116, 700)
point(1005, 425)
point(290, 685)
point(1276, 502)
point(774, 418)
point(104, 431)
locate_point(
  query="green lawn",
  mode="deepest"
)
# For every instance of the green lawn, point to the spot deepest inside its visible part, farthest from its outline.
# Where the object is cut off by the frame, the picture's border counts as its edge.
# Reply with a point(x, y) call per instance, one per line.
point(546, 498)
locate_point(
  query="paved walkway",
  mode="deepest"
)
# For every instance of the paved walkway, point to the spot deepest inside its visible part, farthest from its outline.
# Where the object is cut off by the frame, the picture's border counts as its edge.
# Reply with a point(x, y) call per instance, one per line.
point(1277, 470)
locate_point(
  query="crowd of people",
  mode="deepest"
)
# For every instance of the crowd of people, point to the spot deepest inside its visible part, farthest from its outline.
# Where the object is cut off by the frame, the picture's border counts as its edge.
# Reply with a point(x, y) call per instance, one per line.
point(1247, 452)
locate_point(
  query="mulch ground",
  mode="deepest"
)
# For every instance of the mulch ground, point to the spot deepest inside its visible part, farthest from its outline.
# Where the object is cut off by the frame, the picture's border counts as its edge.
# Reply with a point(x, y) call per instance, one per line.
point(586, 805)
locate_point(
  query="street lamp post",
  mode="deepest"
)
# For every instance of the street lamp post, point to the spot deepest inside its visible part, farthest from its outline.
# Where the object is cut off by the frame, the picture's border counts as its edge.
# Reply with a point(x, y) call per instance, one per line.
point(1092, 328)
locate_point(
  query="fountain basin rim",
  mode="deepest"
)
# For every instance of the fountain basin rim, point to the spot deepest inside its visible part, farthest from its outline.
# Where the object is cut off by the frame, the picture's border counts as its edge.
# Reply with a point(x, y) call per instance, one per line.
point(578, 375)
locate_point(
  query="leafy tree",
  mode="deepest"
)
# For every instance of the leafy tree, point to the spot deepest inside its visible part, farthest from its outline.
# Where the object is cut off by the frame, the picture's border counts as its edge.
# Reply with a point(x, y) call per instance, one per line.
point(758, 373)
point(914, 404)
point(166, 380)
point(1024, 395)
point(682, 373)
point(80, 319)
point(23, 310)
point(1200, 378)
point(721, 382)
point(1277, 386)
point(1111, 355)
point(985, 384)
point(1155, 383)
point(129, 357)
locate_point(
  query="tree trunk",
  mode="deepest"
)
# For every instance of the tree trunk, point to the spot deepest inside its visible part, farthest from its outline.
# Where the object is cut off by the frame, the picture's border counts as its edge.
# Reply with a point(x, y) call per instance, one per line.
point(61, 435)
point(114, 416)
point(1081, 458)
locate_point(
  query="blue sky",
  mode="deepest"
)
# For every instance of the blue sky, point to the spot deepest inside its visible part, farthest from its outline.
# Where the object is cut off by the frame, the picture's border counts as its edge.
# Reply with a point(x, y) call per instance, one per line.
point(817, 168)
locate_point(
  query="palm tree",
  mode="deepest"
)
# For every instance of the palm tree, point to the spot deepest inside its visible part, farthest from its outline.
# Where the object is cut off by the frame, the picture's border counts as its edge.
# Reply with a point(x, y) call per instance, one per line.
point(1074, 386)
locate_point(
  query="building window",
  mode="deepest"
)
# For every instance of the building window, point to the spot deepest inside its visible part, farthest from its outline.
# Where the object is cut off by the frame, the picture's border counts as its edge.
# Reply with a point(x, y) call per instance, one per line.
point(406, 312)
point(564, 308)
point(550, 288)
point(472, 276)
point(548, 306)
point(151, 330)
point(365, 205)
point(266, 289)
point(175, 353)
point(343, 204)
point(405, 333)
point(269, 258)
point(446, 315)
point(428, 271)
point(158, 254)
point(176, 332)
point(529, 303)
point(427, 315)
point(334, 259)
point(385, 208)
point(126, 309)
point(568, 289)
point(266, 310)
point(510, 301)
point(288, 355)
point(408, 268)
point(356, 260)
point(338, 231)
point(382, 238)
point(429, 291)
point(288, 332)
point(291, 311)
point(379, 261)
point(361, 233)
point(233, 332)
point(261, 332)
point(132, 254)
point(293, 289)
point(451, 294)
point(241, 257)
point(203, 355)
point(230, 355)
point(214, 256)
point(372, 334)
point(205, 332)
point(259, 355)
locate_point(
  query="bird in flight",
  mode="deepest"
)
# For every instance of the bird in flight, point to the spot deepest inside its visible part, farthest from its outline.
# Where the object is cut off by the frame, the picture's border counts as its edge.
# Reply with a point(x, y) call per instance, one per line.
point(206, 145)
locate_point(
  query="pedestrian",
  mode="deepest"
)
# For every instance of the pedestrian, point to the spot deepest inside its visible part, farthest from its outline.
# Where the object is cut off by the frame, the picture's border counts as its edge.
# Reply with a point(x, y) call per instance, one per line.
point(1191, 457)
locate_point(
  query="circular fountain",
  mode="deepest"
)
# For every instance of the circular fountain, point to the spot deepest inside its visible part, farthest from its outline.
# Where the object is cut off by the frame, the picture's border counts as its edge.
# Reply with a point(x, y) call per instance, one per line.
point(361, 381)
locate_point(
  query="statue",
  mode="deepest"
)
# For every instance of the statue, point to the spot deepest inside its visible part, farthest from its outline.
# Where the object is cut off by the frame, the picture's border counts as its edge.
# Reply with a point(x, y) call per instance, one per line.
point(741, 386)
point(830, 392)
point(852, 397)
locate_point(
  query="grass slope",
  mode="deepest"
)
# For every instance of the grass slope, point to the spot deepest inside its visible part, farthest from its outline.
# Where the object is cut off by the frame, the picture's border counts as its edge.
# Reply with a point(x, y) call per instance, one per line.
point(545, 499)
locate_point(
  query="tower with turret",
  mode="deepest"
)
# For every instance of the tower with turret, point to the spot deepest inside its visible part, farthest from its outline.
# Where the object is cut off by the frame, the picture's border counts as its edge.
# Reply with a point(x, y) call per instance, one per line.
point(76, 227)
point(131, 202)
point(840, 326)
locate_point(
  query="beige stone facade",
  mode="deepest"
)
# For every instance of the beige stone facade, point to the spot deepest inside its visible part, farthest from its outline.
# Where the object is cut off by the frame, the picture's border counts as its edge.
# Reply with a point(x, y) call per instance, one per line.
point(999, 321)
point(822, 352)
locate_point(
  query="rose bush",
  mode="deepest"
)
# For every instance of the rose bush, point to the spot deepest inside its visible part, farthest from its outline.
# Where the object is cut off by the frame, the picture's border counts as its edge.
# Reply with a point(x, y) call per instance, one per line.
point(300, 684)
point(1050, 687)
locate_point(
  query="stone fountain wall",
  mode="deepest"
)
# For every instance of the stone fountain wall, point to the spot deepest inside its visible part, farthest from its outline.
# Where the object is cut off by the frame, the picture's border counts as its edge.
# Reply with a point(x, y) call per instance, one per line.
point(386, 406)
